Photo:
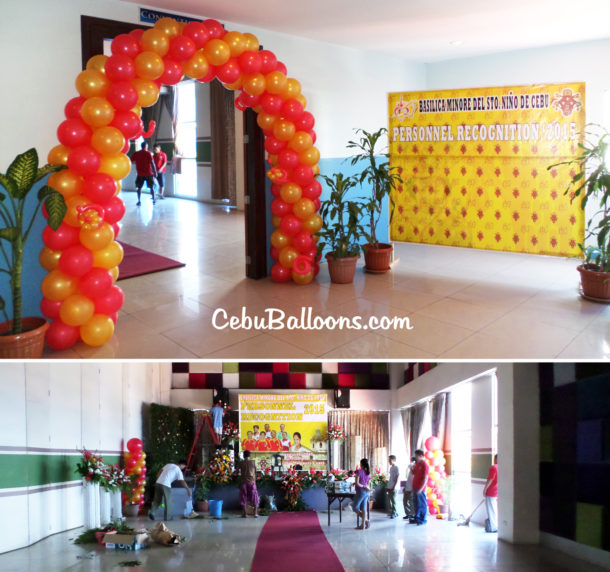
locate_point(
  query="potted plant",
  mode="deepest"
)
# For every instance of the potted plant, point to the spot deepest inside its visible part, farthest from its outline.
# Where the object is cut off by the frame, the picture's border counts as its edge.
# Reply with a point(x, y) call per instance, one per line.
point(591, 181)
point(23, 337)
point(201, 494)
point(342, 230)
point(381, 180)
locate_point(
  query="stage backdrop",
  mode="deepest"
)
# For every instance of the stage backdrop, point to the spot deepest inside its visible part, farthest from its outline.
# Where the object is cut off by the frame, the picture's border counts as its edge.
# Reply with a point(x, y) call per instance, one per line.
point(474, 165)
point(304, 414)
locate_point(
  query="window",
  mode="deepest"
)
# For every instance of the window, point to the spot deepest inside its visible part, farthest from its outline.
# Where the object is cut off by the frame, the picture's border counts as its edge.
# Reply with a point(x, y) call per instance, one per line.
point(185, 183)
point(461, 439)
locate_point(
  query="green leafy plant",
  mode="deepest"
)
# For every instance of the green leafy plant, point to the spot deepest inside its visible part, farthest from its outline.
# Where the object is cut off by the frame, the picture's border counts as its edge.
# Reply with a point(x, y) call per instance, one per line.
point(591, 181)
point(15, 225)
point(342, 229)
point(202, 486)
point(380, 178)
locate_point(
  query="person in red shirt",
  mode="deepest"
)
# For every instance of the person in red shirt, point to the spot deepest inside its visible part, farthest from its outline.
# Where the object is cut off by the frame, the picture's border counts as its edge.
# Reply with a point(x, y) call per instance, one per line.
point(420, 478)
point(490, 492)
point(145, 170)
point(262, 444)
point(274, 443)
point(160, 159)
point(249, 444)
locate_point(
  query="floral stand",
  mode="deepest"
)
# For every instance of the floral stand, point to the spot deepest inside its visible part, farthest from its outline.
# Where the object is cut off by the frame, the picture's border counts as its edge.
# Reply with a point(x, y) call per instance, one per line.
point(91, 504)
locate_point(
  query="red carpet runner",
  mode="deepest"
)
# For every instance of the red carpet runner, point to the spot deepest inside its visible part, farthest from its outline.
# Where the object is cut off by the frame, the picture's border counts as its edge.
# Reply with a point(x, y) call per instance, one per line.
point(294, 541)
point(137, 262)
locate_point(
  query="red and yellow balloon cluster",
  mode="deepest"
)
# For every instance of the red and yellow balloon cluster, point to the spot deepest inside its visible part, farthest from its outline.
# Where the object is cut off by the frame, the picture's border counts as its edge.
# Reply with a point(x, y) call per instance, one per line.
point(135, 464)
point(436, 460)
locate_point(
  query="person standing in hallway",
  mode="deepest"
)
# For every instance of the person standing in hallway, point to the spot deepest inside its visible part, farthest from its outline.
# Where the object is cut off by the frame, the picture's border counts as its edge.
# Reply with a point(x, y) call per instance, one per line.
point(363, 490)
point(163, 488)
point(160, 159)
point(407, 498)
point(248, 493)
point(490, 492)
point(391, 486)
point(420, 478)
point(145, 170)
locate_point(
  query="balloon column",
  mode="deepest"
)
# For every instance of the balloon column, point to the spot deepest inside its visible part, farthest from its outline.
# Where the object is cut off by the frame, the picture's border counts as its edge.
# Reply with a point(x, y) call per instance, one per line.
point(436, 460)
point(135, 467)
point(82, 256)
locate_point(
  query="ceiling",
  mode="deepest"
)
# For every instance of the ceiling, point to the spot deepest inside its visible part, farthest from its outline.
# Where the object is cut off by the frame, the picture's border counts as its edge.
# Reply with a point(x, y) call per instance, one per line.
point(418, 30)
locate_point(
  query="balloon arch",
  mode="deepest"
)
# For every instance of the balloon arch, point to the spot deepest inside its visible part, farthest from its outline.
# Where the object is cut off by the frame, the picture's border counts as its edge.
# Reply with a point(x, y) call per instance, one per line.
point(82, 256)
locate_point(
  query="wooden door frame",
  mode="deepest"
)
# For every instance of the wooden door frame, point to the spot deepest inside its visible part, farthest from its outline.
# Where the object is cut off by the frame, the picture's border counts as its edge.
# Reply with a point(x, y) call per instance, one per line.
point(93, 33)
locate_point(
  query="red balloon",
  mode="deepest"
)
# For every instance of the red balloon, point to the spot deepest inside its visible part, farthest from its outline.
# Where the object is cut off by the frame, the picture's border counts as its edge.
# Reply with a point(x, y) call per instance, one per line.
point(302, 175)
point(280, 273)
point(122, 95)
point(274, 145)
point(172, 72)
point(96, 283)
point(275, 189)
point(124, 44)
point(99, 187)
point(292, 109)
point(84, 160)
point(215, 28)
point(275, 252)
point(271, 104)
point(114, 317)
point(73, 107)
point(120, 67)
point(281, 68)
point(50, 308)
point(134, 445)
point(137, 34)
point(128, 123)
point(208, 76)
point(290, 225)
point(268, 61)
point(239, 104)
point(114, 210)
point(197, 32)
point(109, 302)
point(317, 203)
point(131, 463)
point(279, 207)
point(250, 62)
point(312, 191)
point(60, 336)
point(76, 260)
point(311, 252)
point(181, 48)
point(229, 71)
point(303, 241)
point(73, 132)
point(249, 100)
point(305, 122)
point(288, 159)
point(432, 443)
point(62, 238)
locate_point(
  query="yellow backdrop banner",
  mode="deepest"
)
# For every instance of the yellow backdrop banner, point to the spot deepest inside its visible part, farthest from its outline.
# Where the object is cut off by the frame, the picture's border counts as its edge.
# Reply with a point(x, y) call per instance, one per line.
point(474, 167)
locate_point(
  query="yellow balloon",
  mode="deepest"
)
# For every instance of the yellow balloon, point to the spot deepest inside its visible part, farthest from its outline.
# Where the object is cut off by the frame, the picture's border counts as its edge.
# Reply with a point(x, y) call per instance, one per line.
point(283, 129)
point(154, 40)
point(236, 42)
point(109, 256)
point(92, 83)
point(310, 156)
point(148, 91)
point(301, 141)
point(117, 166)
point(97, 330)
point(197, 66)
point(287, 256)
point(302, 278)
point(275, 221)
point(58, 286)
point(67, 182)
point(58, 155)
point(137, 110)
point(313, 224)
point(292, 88)
point(254, 84)
point(279, 239)
point(252, 42)
point(72, 204)
point(217, 52)
point(303, 208)
point(149, 65)
point(272, 160)
point(97, 112)
point(108, 140)
point(97, 63)
point(275, 82)
point(316, 170)
point(290, 192)
point(168, 26)
point(96, 238)
point(76, 309)
point(265, 120)
point(115, 273)
point(48, 258)
point(302, 100)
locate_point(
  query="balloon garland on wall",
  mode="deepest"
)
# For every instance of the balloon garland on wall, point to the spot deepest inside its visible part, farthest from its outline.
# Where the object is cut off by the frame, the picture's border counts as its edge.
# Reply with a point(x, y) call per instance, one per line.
point(135, 467)
point(435, 457)
point(82, 257)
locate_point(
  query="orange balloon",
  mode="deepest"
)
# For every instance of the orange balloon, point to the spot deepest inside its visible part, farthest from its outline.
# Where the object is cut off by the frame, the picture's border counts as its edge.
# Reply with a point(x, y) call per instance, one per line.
point(67, 182)
point(276, 82)
point(96, 238)
point(72, 203)
point(301, 141)
point(254, 84)
point(236, 42)
point(290, 192)
point(275, 221)
point(265, 120)
point(117, 166)
point(149, 65)
point(97, 331)
point(292, 88)
point(168, 26)
point(137, 110)
point(301, 99)
point(279, 239)
point(197, 66)
point(272, 160)
point(58, 155)
point(252, 42)
point(154, 40)
point(287, 256)
point(107, 140)
point(48, 258)
point(302, 279)
point(316, 170)
point(148, 91)
point(97, 112)
point(217, 52)
point(76, 309)
point(310, 156)
point(303, 208)
point(97, 63)
point(283, 129)
point(313, 224)
point(115, 273)
point(58, 286)
point(92, 83)
point(108, 257)
point(235, 85)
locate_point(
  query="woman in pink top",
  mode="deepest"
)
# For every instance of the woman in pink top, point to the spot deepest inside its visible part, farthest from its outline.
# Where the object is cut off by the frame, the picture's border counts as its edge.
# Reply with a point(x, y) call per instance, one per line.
point(363, 477)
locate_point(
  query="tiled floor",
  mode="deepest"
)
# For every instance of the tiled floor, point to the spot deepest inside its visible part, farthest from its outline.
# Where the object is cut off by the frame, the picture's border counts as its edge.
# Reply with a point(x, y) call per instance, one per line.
point(461, 303)
point(228, 546)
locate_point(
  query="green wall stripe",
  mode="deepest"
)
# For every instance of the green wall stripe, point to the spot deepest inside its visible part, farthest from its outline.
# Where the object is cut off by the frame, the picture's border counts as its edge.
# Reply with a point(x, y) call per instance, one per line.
point(480, 466)
point(204, 151)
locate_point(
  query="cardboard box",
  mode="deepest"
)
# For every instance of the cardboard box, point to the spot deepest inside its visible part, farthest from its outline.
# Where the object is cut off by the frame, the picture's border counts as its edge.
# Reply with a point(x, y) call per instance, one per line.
point(126, 541)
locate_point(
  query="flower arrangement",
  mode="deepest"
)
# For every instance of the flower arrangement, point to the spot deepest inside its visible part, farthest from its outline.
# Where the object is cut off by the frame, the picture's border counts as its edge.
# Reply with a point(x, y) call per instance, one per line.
point(339, 474)
point(224, 405)
point(202, 485)
point(292, 483)
point(91, 467)
point(378, 479)
point(230, 431)
point(336, 433)
point(114, 478)
point(313, 479)
point(220, 468)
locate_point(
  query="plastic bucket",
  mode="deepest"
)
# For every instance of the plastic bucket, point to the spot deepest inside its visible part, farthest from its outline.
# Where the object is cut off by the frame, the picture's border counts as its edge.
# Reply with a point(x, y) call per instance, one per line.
point(215, 508)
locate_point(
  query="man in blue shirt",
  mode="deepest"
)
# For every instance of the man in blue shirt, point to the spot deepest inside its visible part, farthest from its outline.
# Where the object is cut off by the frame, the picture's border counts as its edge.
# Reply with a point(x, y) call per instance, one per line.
point(217, 412)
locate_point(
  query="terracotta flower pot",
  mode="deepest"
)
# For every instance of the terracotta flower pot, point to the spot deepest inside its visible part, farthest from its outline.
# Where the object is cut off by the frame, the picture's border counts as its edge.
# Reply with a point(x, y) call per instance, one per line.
point(27, 345)
point(595, 284)
point(341, 270)
point(377, 258)
point(203, 506)
point(131, 509)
